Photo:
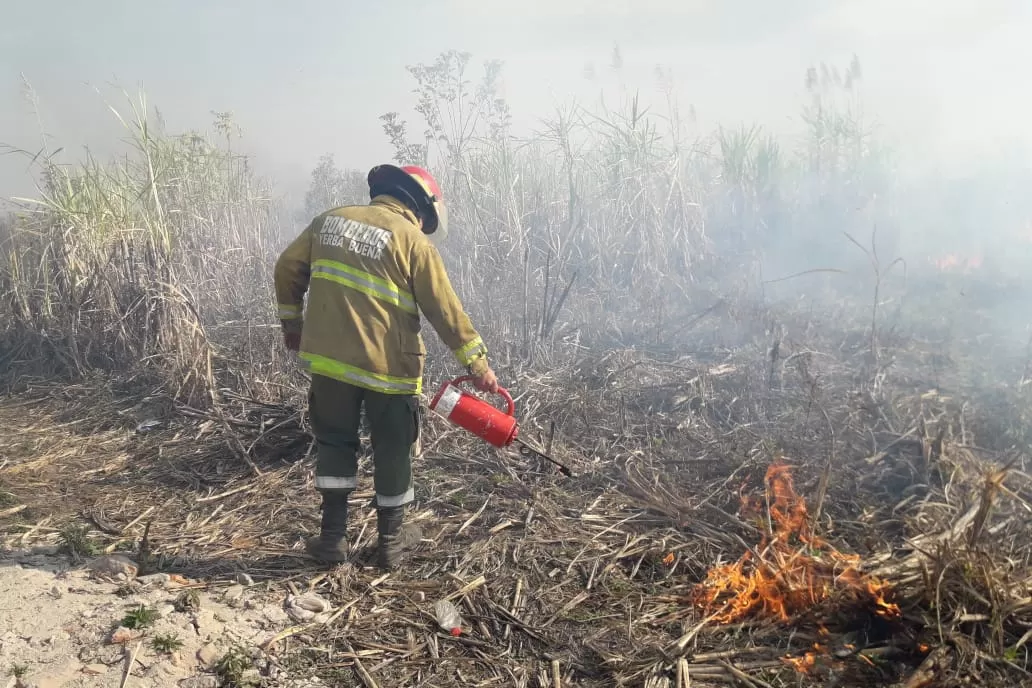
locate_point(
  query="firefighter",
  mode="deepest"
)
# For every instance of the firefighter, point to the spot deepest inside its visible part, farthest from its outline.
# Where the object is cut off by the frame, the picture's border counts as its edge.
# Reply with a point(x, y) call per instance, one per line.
point(368, 270)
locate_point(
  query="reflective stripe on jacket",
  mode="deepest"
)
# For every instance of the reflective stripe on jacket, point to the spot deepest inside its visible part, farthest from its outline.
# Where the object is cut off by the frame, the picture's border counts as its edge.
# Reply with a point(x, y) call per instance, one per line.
point(368, 271)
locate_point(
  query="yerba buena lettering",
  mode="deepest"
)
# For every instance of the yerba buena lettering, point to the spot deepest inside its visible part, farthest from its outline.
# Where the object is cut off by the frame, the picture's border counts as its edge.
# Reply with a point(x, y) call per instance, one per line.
point(356, 237)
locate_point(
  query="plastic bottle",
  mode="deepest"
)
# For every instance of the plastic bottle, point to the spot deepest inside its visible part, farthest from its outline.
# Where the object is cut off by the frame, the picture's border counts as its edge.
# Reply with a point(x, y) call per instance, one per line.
point(448, 617)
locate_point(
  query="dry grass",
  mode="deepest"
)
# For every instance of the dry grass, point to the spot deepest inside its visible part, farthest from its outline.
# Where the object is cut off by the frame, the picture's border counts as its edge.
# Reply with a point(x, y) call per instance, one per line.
point(572, 582)
point(176, 429)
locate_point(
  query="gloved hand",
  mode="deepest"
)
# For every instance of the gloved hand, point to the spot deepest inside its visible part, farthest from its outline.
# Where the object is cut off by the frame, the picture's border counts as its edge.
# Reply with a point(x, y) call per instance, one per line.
point(292, 340)
point(486, 381)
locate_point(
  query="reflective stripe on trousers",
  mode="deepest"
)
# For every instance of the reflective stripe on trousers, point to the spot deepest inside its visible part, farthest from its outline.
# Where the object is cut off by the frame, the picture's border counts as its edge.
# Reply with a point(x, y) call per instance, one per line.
point(397, 500)
point(329, 482)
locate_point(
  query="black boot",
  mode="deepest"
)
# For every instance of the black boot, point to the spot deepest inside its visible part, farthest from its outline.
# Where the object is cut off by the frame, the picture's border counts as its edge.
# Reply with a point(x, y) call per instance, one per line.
point(395, 536)
point(331, 545)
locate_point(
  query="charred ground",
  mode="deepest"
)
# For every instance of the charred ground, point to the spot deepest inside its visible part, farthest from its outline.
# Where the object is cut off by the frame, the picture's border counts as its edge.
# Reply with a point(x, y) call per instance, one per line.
point(632, 290)
point(595, 575)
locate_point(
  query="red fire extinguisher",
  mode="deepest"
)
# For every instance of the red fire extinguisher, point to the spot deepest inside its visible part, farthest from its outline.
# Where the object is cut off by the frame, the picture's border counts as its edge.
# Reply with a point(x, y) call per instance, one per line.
point(496, 427)
point(479, 417)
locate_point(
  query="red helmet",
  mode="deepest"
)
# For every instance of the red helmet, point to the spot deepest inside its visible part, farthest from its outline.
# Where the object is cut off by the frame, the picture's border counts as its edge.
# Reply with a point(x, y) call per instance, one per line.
point(418, 186)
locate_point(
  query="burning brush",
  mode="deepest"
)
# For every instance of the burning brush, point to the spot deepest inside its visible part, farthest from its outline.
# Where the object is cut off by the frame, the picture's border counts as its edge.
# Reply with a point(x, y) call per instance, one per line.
point(952, 262)
point(790, 572)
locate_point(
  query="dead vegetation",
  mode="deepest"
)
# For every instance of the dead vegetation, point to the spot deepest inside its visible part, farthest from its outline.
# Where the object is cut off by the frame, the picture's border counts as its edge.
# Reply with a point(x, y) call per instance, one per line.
point(823, 491)
point(594, 580)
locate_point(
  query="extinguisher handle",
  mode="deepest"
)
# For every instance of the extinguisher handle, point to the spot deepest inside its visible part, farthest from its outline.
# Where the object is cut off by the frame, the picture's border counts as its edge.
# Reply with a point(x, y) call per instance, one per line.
point(502, 392)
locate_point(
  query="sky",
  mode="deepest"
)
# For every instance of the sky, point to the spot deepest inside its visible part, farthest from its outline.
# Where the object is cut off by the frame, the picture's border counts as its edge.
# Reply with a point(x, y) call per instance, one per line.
point(946, 78)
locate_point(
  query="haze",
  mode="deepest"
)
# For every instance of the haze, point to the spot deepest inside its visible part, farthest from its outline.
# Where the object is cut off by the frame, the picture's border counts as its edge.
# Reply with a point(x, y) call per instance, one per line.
point(945, 80)
point(766, 421)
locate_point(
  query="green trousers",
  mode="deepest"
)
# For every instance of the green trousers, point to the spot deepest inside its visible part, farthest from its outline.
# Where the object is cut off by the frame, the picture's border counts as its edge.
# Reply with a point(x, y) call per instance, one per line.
point(335, 409)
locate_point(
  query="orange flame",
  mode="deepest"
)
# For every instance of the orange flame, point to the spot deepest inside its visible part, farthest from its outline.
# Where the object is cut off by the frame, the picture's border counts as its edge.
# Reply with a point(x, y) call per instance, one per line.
point(804, 664)
point(790, 571)
point(808, 662)
point(951, 262)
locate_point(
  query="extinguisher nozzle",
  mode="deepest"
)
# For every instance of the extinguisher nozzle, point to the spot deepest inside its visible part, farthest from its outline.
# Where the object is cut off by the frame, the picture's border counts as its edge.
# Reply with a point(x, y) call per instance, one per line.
point(562, 468)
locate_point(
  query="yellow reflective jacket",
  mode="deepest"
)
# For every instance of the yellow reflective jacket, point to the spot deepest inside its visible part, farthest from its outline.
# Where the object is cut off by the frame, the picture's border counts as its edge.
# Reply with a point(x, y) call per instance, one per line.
point(368, 270)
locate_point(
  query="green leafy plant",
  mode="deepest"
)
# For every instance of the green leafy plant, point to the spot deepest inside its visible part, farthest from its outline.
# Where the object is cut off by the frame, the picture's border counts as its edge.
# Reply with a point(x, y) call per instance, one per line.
point(232, 667)
point(75, 541)
point(188, 600)
point(140, 617)
point(166, 643)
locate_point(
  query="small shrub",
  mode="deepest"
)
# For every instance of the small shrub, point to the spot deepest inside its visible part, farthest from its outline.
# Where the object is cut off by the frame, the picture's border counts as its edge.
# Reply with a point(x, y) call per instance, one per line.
point(231, 668)
point(166, 643)
point(127, 589)
point(140, 617)
point(75, 541)
point(188, 600)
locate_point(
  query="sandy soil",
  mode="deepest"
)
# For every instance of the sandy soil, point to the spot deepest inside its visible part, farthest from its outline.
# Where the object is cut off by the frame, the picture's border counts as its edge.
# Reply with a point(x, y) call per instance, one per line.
point(57, 622)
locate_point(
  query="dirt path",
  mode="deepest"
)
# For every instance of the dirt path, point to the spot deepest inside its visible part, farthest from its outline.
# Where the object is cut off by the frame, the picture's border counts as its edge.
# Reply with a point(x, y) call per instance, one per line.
point(60, 617)
point(60, 628)
point(58, 624)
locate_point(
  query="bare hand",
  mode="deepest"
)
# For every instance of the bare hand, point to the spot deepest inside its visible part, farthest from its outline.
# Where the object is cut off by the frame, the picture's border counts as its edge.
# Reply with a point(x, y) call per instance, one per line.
point(487, 382)
point(292, 340)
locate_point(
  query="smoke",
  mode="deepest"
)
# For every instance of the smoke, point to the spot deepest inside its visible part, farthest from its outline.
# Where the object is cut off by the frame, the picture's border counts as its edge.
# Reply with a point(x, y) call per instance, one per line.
point(790, 155)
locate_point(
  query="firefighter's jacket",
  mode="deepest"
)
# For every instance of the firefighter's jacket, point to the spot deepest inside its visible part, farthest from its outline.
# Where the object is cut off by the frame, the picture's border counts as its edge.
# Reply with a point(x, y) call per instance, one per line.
point(368, 270)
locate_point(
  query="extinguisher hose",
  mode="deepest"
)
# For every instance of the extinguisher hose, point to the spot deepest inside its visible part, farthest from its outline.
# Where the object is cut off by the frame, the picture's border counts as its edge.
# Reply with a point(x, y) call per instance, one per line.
point(526, 448)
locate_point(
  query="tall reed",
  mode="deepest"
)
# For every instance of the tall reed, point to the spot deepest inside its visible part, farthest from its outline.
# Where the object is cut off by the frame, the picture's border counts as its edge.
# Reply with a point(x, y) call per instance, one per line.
point(609, 225)
point(132, 264)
